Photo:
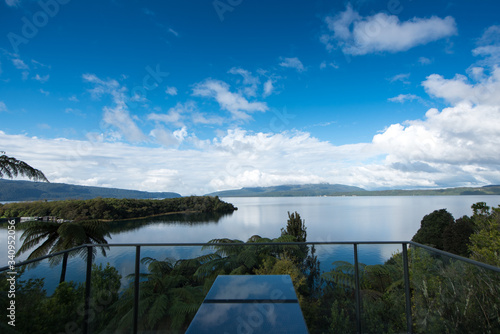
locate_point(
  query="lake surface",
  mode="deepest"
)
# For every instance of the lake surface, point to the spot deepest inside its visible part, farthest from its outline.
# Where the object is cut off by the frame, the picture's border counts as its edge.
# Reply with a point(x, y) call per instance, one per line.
point(326, 218)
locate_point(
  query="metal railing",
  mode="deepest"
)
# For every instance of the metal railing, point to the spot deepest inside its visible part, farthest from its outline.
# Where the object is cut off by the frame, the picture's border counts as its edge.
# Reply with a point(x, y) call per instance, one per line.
point(409, 291)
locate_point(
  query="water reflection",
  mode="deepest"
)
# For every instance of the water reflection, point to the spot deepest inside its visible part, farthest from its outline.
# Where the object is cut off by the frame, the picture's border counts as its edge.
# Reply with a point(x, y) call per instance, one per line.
point(189, 219)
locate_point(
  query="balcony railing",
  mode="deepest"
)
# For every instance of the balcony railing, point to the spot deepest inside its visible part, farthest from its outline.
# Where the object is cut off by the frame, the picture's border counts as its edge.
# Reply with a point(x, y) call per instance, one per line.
point(343, 287)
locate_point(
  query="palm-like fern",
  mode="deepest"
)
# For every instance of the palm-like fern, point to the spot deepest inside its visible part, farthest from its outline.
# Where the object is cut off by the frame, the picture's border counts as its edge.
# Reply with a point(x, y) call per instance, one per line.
point(53, 237)
point(167, 298)
point(11, 167)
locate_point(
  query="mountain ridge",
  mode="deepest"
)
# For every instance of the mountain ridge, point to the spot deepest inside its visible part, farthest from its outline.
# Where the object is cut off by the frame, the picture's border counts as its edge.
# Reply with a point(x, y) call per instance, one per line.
point(325, 189)
point(19, 190)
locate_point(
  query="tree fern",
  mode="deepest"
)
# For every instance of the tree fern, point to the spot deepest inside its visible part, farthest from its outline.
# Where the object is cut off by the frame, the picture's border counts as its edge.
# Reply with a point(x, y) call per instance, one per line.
point(11, 168)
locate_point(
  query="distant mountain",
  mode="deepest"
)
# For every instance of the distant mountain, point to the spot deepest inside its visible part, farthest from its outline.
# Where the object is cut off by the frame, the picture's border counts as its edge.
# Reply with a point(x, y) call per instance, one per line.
point(343, 190)
point(15, 190)
point(322, 189)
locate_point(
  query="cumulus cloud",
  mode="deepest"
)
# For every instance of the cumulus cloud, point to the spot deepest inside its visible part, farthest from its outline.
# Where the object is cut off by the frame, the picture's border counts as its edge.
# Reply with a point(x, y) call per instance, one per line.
point(486, 91)
point(239, 107)
point(462, 135)
point(358, 35)
point(294, 63)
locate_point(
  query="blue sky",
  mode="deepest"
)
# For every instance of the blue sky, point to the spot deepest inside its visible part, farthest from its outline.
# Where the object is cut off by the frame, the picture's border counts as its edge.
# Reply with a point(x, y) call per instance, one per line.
point(198, 96)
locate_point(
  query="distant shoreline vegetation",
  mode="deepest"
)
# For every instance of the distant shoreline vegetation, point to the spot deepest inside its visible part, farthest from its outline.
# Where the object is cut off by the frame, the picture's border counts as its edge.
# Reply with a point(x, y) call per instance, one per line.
point(309, 190)
point(115, 209)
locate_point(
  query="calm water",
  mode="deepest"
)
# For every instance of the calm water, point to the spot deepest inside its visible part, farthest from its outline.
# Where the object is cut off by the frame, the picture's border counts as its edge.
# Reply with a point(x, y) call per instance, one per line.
point(326, 218)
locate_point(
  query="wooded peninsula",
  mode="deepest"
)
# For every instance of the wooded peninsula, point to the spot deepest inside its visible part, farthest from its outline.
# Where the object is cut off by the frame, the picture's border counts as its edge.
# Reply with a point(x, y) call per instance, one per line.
point(115, 209)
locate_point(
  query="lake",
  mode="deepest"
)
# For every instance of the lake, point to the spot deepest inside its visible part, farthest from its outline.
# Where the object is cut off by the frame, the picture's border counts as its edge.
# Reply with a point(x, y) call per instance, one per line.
point(326, 218)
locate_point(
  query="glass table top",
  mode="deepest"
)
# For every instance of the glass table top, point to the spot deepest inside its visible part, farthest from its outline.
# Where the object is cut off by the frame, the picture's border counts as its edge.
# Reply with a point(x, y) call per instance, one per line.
point(252, 287)
point(250, 304)
point(253, 318)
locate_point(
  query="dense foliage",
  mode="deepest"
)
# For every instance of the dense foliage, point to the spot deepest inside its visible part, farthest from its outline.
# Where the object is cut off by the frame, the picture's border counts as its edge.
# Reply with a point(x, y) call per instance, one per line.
point(112, 208)
point(447, 295)
point(477, 236)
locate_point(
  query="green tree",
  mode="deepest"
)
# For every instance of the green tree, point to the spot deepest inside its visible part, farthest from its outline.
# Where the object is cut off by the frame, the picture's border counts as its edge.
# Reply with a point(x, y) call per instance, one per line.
point(52, 237)
point(485, 242)
point(11, 168)
point(456, 236)
point(296, 227)
point(432, 227)
point(168, 300)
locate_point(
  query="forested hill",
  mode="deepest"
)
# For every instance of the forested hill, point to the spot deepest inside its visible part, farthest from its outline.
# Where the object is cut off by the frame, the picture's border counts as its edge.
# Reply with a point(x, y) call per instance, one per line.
point(343, 190)
point(31, 191)
point(323, 189)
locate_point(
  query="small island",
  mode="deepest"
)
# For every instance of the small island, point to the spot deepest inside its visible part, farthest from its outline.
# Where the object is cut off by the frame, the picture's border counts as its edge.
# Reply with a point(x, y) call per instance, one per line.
point(115, 209)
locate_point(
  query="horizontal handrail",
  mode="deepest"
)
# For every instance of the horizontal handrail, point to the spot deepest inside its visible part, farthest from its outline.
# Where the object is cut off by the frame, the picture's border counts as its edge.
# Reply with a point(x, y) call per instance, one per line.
point(243, 244)
point(24, 263)
point(457, 257)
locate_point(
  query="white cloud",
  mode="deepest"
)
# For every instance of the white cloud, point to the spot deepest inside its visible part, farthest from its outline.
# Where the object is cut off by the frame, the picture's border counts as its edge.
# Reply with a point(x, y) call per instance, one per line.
point(401, 98)
point(459, 145)
point(268, 88)
point(172, 91)
point(249, 81)
point(44, 92)
point(358, 35)
point(19, 64)
point(168, 138)
point(174, 115)
point(3, 107)
point(182, 113)
point(458, 136)
point(293, 63)
point(118, 115)
point(324, 65)
point(485, 92)
point(42, 79)
point(403, 77)
point(235, 103)
point(488, 46)
point(424, 61)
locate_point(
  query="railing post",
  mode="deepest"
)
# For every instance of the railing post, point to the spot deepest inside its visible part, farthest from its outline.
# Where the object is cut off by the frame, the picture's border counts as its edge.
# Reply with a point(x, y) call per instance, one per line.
point(136, 288)
point(409, 322)
point(88, 279)
point(357, 291)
